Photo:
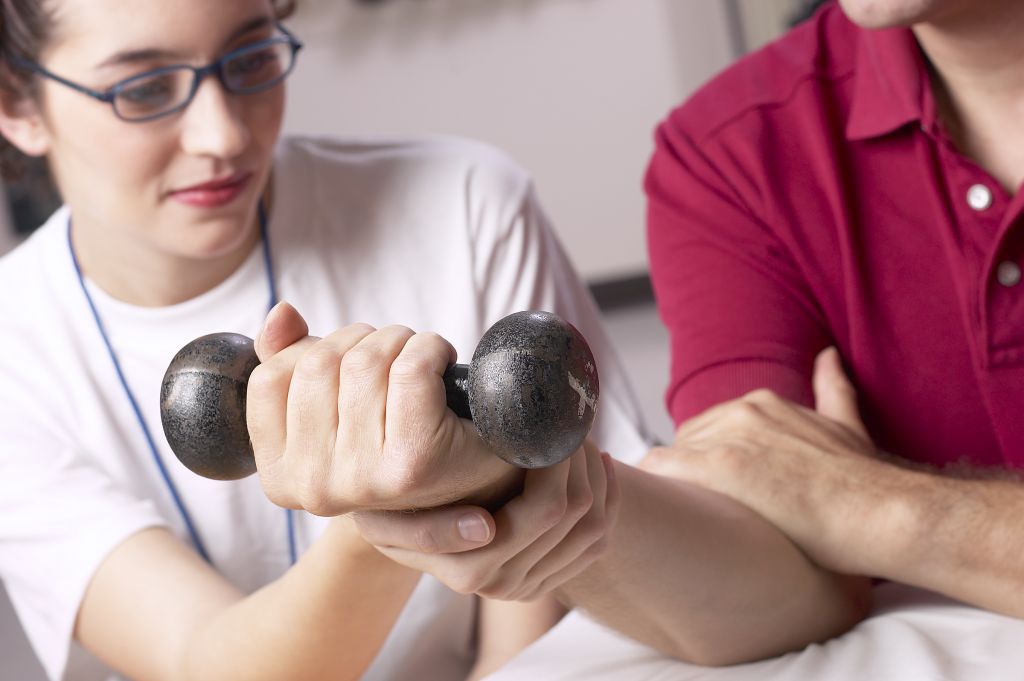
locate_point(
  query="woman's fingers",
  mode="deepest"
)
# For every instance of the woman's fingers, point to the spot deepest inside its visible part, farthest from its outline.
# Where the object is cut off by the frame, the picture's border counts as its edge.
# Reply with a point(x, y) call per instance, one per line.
point(416, 403)
point(266, 414)
point(549, 534)
point(312, 421)
point(580, 538)
point(363, 393)
point(564, 541)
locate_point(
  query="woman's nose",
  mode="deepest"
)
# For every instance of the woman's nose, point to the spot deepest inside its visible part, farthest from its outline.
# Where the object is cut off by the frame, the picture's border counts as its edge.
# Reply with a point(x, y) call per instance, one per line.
point(212, 125)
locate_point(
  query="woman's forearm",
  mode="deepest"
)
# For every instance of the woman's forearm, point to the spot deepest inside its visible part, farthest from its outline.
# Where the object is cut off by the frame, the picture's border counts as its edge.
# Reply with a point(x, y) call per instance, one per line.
point(506, 628)
point(325, 619)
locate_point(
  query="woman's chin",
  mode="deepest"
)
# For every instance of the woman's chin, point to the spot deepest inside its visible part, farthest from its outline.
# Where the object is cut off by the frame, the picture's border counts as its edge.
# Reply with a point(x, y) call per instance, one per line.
point(209, 243)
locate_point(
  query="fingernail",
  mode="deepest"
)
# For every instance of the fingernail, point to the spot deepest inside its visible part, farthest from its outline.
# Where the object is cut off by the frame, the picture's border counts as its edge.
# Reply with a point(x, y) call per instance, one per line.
point(473, 528)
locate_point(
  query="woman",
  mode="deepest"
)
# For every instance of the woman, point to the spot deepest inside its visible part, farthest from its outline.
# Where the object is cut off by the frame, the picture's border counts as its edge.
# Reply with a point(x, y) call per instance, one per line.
point(185, 214)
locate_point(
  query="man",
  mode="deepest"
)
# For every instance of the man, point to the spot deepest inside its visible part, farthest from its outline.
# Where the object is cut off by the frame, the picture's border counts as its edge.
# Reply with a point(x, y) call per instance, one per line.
point(854, 185)
point(850, 186)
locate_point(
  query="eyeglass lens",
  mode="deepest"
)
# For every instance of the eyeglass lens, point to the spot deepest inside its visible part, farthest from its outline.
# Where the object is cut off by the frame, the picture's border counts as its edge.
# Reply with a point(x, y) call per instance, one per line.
point(246, 71)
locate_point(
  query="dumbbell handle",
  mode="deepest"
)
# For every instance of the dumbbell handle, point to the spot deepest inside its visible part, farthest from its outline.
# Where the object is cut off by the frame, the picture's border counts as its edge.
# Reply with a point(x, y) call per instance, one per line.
point(456, 390)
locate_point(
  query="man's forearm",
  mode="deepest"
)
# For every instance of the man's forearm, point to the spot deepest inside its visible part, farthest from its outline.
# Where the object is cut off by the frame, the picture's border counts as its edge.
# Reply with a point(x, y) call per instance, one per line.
point(703, 578)
point(960, 537)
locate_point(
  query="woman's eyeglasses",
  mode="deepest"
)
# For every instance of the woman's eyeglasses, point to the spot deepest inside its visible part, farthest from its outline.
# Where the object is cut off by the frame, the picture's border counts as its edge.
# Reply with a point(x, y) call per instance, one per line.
point(166, 90)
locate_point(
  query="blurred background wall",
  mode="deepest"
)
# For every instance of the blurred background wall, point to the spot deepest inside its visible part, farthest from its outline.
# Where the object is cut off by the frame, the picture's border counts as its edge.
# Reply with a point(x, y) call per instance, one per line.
point(572, 89)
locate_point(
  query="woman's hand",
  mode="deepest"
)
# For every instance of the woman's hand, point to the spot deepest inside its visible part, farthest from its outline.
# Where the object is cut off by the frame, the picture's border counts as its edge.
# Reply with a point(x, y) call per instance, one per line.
point(556, 528)
point(359, 420)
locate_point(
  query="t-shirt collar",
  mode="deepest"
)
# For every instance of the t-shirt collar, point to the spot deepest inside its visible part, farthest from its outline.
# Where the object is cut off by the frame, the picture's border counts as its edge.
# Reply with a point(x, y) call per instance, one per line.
point(892, 87)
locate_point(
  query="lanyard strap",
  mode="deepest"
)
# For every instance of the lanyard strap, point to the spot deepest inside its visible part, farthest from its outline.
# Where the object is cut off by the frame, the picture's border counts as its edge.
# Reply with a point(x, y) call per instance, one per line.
point(178, 502)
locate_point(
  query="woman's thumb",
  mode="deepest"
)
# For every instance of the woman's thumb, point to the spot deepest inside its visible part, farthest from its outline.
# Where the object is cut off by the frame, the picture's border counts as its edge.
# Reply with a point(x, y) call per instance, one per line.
point(283, 327)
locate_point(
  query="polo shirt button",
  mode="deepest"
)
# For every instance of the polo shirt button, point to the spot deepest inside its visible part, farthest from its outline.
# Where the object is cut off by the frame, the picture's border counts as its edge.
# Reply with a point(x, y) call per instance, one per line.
point(979, 197)
point(1008, 274)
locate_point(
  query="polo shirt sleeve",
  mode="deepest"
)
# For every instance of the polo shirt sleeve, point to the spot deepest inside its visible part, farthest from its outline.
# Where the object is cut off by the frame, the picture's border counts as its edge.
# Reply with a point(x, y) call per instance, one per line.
point(60, 516)
point(739, 312)
point(521, 265)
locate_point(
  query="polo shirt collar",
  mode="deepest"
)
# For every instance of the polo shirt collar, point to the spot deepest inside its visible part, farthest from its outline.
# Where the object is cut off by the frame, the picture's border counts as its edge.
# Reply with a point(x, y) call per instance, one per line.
point(891, 85)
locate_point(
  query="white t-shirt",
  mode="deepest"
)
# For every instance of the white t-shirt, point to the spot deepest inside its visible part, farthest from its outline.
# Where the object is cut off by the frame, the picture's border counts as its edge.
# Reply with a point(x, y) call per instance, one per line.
point(439, 234)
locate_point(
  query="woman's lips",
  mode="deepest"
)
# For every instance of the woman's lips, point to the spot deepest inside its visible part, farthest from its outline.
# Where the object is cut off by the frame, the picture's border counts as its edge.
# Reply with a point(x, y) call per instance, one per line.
point(213, 194)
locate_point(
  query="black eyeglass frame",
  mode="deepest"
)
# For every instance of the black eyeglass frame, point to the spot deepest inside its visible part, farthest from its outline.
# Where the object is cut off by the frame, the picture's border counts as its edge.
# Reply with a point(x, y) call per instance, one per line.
point(215, 67)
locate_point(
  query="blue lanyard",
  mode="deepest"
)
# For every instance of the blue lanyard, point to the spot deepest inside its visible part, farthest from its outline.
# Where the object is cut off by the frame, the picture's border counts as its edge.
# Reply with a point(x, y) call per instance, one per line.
point(189, 525)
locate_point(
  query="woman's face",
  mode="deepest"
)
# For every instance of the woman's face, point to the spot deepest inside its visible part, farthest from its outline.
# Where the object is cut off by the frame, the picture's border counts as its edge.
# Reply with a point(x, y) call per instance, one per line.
point(135, 186)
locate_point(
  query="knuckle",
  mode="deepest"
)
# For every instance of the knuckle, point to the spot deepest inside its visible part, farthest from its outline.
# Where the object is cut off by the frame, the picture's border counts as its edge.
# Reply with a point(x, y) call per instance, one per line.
point(359, 328)
point(266, 379)
point(366, 497)
point(320, 360)
point(411, 367)
point(361, 489)
point(599, 547)
point(591, 529)
point(403, 473)
point(579, 503)
point(747, 414)
point(364, 359)
point(468, 581)
point(552, 512)
point(730, 457)
point(314, 496)
point(275, 492)
point(316, 503)
point(539, 591)
point(762, 395)
point(657, 458)
point(425, 541)
point(432, 339)
point(398, 331)
point(499, 589)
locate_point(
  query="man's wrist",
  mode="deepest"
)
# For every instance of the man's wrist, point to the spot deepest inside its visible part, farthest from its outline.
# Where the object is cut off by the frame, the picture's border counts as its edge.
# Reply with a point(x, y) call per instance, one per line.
point(895, 538)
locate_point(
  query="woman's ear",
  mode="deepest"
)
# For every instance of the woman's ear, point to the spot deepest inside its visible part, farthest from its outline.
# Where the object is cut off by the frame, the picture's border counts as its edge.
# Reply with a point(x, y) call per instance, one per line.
point(22, 124)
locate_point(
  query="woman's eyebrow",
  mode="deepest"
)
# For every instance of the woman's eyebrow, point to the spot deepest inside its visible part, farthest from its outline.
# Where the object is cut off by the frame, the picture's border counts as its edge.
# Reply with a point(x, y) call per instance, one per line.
point(150, 54)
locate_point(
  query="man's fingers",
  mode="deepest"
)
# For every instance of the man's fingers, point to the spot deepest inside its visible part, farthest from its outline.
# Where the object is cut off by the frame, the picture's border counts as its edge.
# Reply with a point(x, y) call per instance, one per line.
point(283, 326)
point(834, 395)
point(665, 461)
point(452, 529)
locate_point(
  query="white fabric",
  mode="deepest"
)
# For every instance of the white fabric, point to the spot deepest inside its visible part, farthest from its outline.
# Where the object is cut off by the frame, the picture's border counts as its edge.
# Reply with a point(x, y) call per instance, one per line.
point(913, 635)
point(440, 235)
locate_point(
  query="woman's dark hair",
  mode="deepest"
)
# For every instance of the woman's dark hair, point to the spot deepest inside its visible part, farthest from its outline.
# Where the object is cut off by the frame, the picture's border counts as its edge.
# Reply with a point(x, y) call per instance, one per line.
point(24, 29)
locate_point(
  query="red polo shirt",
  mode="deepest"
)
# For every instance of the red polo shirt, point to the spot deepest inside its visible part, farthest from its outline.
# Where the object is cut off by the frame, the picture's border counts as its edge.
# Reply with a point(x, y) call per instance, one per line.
point(807, 197)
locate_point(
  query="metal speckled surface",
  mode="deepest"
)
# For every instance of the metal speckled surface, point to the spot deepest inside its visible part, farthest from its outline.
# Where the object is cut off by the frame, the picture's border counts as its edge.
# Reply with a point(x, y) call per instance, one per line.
point(533, 389)
point(202, 405)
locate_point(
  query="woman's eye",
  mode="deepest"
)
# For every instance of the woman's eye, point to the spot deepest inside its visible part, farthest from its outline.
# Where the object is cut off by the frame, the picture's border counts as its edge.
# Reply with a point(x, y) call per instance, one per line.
point(253, 63)
point(150, 92)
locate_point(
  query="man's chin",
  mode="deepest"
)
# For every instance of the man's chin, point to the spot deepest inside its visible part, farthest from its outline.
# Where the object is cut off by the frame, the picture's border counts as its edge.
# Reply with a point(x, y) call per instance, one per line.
point(876, 14)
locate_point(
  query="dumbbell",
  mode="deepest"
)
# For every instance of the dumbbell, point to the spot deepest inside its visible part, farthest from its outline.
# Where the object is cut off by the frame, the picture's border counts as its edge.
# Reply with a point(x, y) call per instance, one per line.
point(531, 391)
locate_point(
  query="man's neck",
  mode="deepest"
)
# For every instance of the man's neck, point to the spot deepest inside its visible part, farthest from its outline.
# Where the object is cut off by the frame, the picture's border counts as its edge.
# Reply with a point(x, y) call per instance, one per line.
point(977, 58)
